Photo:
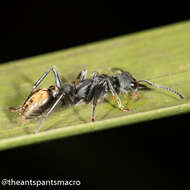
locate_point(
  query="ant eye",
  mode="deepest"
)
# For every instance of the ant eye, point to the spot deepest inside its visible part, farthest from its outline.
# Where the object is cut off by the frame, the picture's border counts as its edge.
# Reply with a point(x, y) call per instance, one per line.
point(133, 85)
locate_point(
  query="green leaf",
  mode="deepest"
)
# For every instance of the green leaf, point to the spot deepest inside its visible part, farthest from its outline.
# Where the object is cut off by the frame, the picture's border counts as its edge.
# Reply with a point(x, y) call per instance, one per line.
point(160, 55)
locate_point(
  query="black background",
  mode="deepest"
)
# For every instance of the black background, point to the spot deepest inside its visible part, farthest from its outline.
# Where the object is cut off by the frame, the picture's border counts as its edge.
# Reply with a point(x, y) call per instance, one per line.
point(150, 155)
point(37, 27)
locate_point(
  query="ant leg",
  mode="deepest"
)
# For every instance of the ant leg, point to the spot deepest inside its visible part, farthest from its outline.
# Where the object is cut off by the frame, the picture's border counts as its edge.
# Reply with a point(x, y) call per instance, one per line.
point(47, 114)
point(94, 93)
point(57, 81)
point(40, 80)
point(56, 76)
point(93, 109)
point(91, 92)
point(81, 76)
point(114, 94)
point(17, 109)
point(94, 74)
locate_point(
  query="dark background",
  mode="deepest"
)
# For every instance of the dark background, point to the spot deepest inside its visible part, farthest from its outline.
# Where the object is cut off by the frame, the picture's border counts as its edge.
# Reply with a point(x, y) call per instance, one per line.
point(150, 155)
point(37, 27)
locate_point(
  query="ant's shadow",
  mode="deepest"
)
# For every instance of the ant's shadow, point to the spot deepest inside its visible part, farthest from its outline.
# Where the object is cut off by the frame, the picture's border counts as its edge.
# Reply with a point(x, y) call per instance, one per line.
point(83, 120)
point(76, 111)
point(105, 115)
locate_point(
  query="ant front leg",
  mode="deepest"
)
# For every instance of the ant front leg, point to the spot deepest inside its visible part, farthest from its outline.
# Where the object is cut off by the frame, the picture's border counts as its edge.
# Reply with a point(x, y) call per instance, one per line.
point(115, 95)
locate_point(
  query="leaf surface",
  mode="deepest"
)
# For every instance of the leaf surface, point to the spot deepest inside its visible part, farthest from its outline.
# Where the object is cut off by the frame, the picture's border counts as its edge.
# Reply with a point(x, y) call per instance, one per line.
point(160, 55)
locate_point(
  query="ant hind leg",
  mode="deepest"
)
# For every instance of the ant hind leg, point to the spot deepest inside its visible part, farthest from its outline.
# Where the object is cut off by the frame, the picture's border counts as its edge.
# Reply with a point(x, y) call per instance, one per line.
point(47, 114)
point(56, 76)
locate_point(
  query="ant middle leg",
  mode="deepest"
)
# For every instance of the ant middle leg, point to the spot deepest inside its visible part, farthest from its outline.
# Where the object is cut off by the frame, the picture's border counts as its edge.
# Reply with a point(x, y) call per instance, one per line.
point(93, 109)
point(96, 96)
point(115, 95)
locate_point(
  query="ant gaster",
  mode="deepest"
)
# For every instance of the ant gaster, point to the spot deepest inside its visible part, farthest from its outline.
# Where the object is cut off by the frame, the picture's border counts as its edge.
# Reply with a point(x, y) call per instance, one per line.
point(39, 100)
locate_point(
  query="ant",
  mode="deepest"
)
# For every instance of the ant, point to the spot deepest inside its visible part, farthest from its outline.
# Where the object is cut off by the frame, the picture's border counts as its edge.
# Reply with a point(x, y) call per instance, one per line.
point(94, 88)
point(83, 90)
point(100, 84)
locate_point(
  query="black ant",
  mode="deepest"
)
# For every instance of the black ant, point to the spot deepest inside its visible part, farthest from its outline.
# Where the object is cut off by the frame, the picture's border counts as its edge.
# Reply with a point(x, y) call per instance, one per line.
point(94, 88)
point(83, 90)
point(99, 85)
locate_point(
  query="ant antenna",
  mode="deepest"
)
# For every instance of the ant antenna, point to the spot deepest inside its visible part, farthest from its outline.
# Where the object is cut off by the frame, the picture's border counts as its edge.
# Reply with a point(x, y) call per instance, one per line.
point(162, 87)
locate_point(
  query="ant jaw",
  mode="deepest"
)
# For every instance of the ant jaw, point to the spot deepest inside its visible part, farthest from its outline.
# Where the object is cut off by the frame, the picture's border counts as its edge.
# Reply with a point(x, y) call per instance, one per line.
point(135, 94)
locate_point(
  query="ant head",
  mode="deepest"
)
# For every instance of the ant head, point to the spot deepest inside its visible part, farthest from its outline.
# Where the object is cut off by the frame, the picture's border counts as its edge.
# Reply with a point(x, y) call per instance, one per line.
point(54, 90)
point(126, 82)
